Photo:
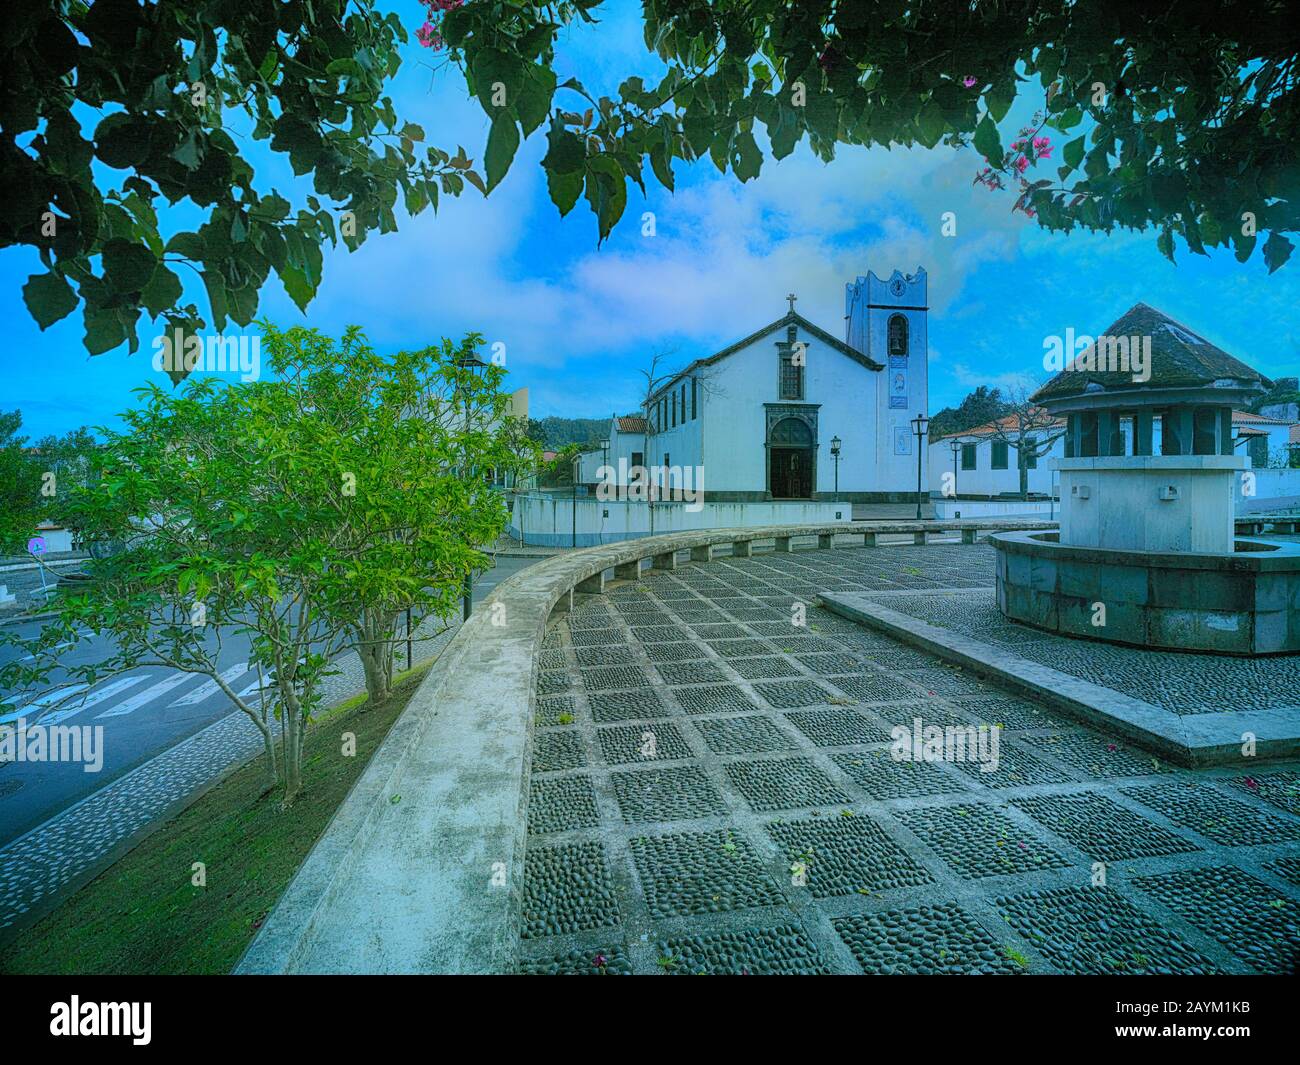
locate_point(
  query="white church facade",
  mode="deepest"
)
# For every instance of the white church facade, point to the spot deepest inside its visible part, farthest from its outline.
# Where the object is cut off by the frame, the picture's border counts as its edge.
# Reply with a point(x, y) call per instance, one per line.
point(760, 421)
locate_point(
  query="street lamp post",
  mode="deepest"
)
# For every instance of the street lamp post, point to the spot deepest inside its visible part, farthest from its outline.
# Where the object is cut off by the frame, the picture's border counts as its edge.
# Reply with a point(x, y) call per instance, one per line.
point(577, 462)
point(920, 426)
point(835, 454)
point(956, 450)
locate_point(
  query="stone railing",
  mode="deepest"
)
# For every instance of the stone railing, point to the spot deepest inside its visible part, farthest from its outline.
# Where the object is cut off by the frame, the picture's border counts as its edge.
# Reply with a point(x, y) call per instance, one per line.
point(1258, 524)
point(421, 869)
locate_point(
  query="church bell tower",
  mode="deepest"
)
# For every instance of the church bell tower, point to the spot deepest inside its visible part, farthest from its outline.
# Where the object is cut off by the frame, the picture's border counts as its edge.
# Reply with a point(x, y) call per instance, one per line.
point(887, 320)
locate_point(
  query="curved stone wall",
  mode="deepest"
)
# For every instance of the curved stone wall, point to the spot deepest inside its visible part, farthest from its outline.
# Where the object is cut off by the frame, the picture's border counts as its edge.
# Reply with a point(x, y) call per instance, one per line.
point(421, 869)
point(1247, 603)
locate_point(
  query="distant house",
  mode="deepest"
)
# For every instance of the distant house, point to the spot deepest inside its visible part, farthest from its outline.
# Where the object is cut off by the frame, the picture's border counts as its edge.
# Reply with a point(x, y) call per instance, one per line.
point(625, 454)
point(1259, 437)
point(981, 465)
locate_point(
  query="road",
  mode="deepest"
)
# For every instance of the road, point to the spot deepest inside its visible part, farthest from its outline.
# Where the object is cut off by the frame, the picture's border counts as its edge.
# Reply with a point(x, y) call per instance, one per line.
point(143, 712)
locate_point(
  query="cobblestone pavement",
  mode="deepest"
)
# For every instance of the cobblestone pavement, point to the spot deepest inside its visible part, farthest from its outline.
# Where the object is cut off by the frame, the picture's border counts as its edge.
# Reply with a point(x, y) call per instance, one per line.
point(1184, 684)
point(65, 850)
point(712, 790)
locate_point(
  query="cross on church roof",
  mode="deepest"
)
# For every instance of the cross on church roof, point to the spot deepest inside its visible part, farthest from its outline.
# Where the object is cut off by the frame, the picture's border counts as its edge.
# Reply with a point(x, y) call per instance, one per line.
point(792, 297)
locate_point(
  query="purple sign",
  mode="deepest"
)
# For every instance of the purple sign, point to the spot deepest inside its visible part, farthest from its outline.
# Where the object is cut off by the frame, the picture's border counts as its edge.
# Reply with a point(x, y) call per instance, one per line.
point(36, 545)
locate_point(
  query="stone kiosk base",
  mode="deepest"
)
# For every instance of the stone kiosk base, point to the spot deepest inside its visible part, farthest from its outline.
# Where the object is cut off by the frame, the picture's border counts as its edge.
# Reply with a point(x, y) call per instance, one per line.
point(1246, 603)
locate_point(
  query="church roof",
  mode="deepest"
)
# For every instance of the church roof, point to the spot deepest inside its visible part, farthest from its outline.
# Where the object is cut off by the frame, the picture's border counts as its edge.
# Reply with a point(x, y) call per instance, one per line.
point(631, 423)
point(787, 319)
point(1179, 359)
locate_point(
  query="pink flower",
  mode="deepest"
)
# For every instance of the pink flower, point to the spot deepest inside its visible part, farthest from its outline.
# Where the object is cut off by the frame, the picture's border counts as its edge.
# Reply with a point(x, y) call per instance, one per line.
point(1030, 213)
point(969, 81)
point(426, 34)
point(1043, 146)
point(1022, 164)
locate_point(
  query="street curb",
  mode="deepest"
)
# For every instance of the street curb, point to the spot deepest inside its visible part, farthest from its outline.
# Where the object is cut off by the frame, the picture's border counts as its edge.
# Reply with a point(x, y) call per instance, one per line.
point(540, 552)
point(47, 904)
point(1193, 740)
point(19, 619)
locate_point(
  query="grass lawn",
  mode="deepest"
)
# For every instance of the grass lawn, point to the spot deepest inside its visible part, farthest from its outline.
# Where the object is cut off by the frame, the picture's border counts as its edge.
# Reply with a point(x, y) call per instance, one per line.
point(142, 915)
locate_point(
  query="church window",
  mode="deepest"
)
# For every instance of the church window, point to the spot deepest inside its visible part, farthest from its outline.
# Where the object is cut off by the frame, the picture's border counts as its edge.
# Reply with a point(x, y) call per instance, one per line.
point(968, 456)
point(638, 459)
point(791, 375)
point(673, 401)
point(683, 402)
point(695, 388)
point(999, 455)
point(897, 340)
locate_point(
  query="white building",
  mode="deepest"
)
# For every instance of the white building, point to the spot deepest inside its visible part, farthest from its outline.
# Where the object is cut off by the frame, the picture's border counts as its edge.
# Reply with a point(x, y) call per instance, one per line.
point(1261, 439)
point(978, 464)
point(756, 421)
point(625, 451)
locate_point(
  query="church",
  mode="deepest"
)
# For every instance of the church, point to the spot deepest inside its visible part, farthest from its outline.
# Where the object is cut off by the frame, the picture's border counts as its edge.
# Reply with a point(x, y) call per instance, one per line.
point(790, 412)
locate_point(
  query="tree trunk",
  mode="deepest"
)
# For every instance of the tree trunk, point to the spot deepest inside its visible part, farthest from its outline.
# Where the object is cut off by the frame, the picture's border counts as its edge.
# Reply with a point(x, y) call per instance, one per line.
point(376, 650)
point(259, 718)
point(293, 729)
point(272, 776)
point(377, 662)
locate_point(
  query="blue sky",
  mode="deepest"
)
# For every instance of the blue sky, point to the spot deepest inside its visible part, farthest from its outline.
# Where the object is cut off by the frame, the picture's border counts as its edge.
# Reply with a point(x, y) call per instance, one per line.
point(579, 321)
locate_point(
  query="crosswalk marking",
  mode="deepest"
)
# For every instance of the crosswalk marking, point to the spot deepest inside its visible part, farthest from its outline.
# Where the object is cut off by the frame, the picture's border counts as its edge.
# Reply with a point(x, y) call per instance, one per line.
point(270, 682)
point(254, 687)
point(211, 687)
point(56, 647)
point(96, 697)
point(48, 699)
point(128, 706)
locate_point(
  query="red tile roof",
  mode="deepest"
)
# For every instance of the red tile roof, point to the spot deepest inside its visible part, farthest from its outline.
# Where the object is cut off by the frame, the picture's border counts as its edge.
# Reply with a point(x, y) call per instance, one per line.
point(1007, 424)
point(632, 423)
point(1242, 417)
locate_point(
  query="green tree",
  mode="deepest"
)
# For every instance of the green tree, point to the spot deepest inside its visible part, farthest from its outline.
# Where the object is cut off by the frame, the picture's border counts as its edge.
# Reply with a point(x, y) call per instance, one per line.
point(555, 432)
point(559, 471)
point(21, 503)
point(71, 461)
point(303, 512)
point(161, 95)
point(979, 407)
point(1173, 118)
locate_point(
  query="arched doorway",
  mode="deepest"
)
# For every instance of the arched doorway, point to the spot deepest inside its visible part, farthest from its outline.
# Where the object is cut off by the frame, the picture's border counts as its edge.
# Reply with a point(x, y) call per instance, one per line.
point(790, 460)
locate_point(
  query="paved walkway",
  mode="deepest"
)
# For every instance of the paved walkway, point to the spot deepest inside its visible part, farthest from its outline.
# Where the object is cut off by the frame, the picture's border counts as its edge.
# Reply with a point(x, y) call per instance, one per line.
point(713, 791)
point(58, 856)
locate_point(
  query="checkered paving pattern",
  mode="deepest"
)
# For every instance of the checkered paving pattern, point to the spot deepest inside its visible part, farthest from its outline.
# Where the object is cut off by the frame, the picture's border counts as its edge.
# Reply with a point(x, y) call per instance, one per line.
point(713, 791)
